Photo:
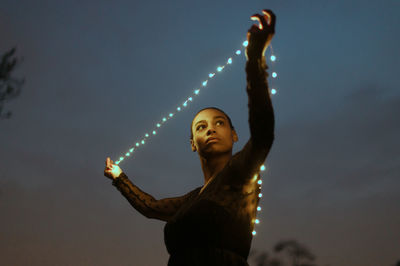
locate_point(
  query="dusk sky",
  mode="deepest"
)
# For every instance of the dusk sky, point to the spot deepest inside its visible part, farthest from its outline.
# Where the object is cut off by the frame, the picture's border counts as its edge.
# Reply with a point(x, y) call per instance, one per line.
point(100, 74)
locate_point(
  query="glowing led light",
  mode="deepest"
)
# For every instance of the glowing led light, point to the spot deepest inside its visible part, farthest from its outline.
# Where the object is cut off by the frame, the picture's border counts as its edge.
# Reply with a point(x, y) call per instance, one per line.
point(196, 92)
point(259, 182)
point(258, 208)
point(254, 233)
point(257, 221)
point(255, 177)
point(260, 195)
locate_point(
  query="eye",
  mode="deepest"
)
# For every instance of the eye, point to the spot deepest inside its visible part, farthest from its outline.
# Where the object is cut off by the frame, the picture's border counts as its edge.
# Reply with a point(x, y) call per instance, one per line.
point(199, 127)
point(220, 121)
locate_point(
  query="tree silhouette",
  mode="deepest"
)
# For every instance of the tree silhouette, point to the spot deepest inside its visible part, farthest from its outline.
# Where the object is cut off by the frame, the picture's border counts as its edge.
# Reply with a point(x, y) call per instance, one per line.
point(288, 252)
point(10, 87)
point(299, 254)
point(263, 259)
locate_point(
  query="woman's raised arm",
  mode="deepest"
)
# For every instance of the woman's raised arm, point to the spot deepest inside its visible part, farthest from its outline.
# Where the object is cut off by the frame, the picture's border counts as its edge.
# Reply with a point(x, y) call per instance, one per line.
point(261, 114)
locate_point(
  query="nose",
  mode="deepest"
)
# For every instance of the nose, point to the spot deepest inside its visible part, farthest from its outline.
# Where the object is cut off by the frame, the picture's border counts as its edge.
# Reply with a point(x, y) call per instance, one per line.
point(210, 130)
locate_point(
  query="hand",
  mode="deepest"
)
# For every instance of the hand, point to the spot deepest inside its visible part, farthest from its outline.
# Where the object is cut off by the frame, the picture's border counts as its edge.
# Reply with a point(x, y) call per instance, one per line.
point(259, 37)
point(112, 171)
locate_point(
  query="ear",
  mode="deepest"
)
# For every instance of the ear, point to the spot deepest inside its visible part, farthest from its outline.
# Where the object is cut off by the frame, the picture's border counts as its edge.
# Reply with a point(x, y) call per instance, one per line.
point(193, 146)
point(235, 136)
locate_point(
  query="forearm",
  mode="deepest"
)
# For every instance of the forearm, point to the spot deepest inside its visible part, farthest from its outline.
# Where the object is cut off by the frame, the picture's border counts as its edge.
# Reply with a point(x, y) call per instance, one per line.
point(140, 200)
point(162, 209)
point(261, 114)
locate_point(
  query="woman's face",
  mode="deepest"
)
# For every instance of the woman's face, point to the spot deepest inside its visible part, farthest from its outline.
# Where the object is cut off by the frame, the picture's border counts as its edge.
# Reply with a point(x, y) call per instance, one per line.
point(212, 133)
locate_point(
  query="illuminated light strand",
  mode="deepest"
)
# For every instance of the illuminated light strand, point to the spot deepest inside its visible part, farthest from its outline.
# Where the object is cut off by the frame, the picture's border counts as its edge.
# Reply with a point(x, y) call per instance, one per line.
point(256, 220)
point(190, 99)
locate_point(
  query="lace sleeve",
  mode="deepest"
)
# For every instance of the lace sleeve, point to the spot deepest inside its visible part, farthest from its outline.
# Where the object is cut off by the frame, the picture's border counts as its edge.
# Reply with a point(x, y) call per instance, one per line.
point(247, 162)
point(146, 204)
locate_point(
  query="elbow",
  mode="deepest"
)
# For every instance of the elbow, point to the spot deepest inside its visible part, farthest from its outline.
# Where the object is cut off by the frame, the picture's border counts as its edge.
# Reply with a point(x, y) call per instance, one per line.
point(265, 141)
point(269, 140)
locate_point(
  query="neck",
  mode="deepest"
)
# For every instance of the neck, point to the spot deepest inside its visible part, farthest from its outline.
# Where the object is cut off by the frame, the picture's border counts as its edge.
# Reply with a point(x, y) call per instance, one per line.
point(212, 165)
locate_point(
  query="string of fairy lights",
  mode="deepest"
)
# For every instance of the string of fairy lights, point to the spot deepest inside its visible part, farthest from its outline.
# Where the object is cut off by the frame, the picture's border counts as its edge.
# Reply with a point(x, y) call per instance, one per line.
point(139, 143)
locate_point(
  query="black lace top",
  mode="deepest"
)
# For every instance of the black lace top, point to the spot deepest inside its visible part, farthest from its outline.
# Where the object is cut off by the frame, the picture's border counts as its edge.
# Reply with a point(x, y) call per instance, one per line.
point(215, 227)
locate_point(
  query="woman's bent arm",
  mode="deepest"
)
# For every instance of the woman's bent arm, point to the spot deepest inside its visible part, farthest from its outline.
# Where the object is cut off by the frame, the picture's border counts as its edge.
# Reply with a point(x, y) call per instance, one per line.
point(146, 204)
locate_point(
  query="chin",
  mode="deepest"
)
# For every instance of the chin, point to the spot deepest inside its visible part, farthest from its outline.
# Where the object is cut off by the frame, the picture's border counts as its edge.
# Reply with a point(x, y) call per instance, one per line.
point(215, 150)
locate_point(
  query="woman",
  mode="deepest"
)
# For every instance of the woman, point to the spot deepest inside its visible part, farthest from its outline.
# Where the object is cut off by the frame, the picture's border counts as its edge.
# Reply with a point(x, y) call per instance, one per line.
point(213, 224)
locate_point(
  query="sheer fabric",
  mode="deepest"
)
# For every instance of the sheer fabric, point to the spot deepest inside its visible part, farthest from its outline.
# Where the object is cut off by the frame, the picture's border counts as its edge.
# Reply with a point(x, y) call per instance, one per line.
point(215, 227)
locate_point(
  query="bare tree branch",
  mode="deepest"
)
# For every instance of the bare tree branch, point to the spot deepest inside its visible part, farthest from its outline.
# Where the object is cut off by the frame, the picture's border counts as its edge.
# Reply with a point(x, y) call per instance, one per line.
point(10, 87)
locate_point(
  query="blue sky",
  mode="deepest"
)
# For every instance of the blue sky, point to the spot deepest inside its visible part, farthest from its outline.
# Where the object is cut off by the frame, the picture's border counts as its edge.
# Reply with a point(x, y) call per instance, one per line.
point(100, 74)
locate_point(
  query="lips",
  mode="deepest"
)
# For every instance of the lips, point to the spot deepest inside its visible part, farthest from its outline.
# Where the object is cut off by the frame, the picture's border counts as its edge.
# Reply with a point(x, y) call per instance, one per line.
point(211, 138)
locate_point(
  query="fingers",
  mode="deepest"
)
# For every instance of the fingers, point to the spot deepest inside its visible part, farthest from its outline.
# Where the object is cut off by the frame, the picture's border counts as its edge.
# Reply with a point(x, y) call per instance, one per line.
point(271, 15)
point(109, 163)
point(266, 20)
point(261, 19)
